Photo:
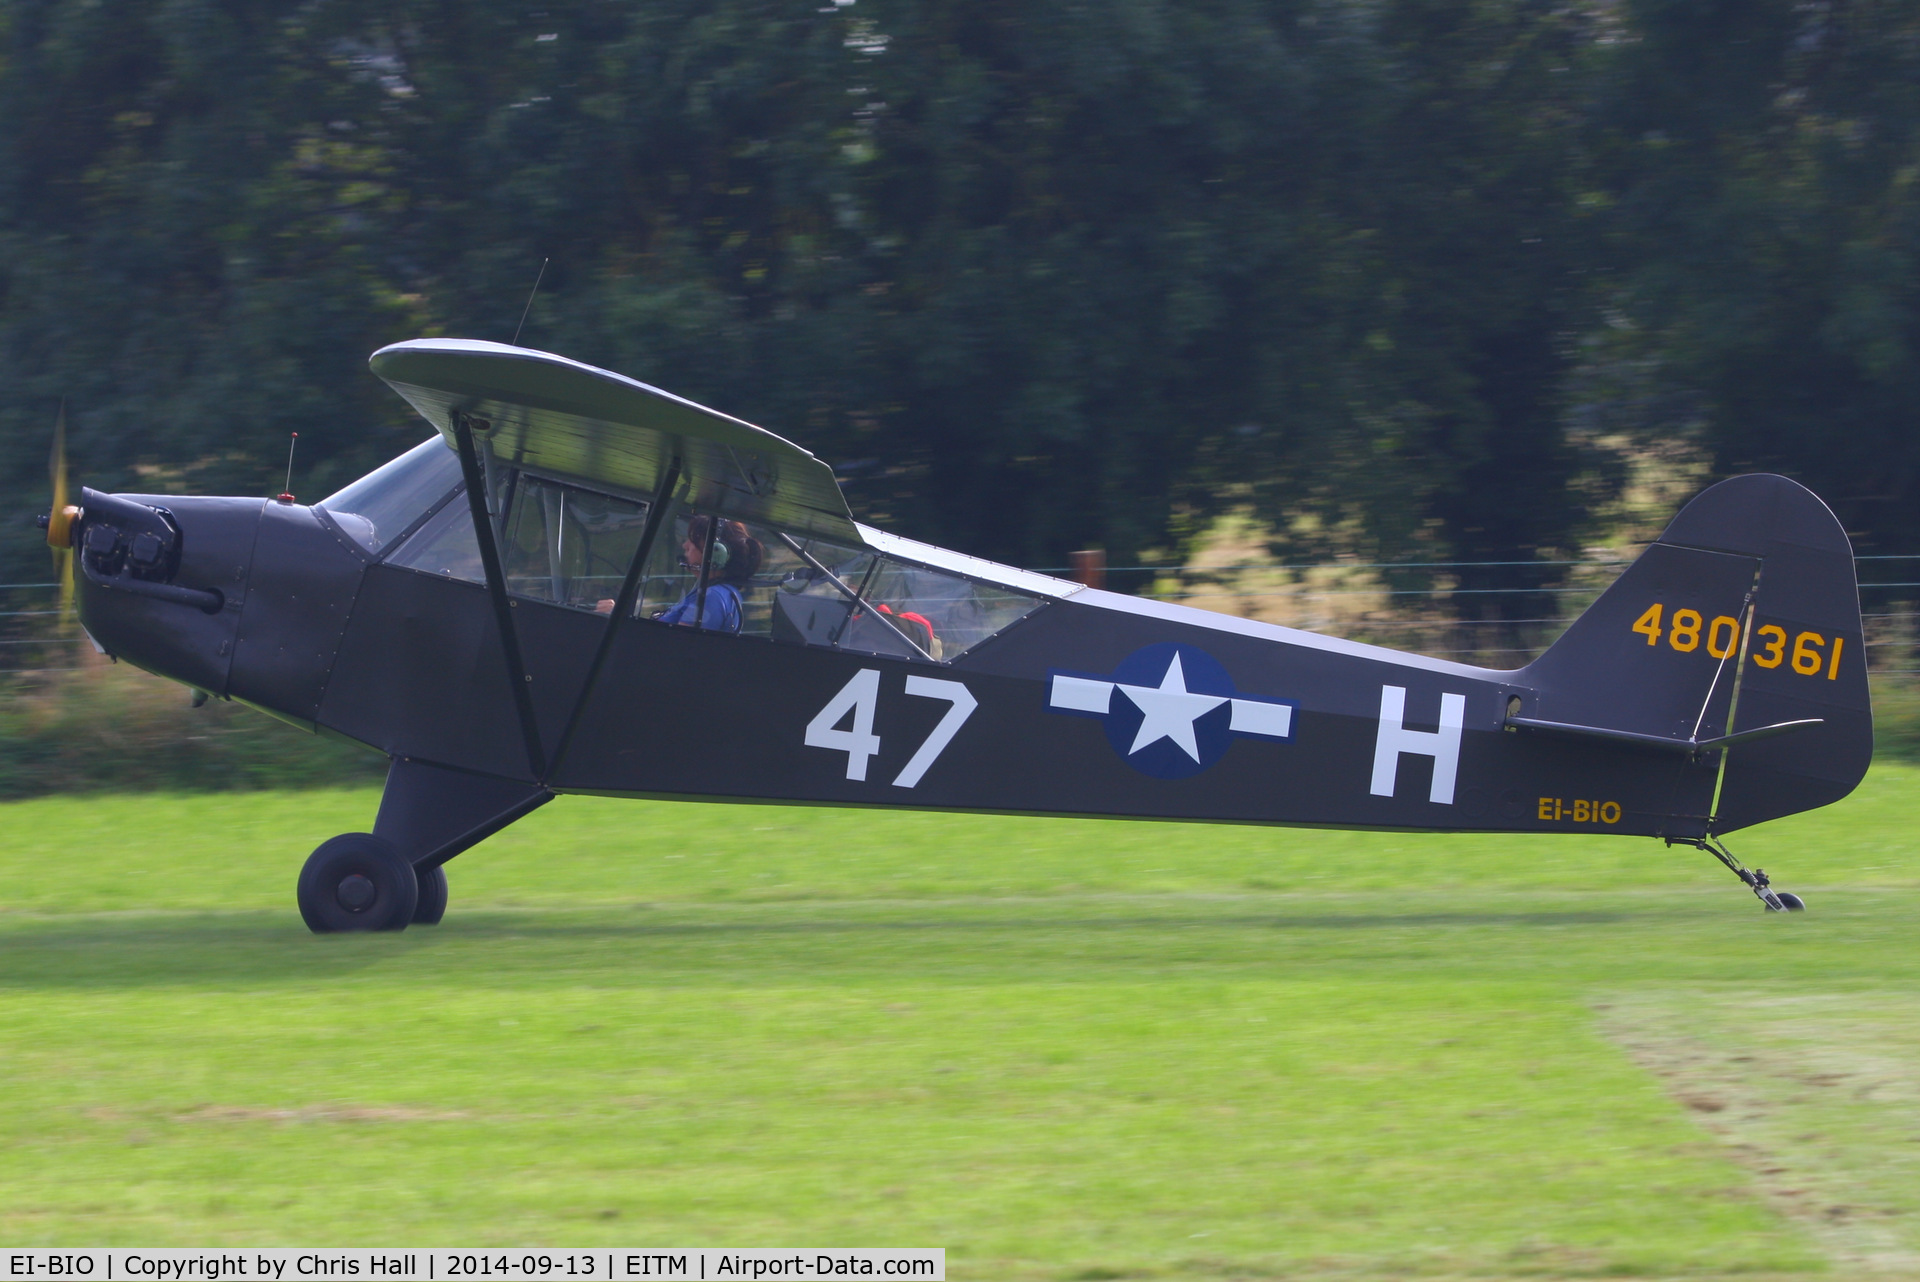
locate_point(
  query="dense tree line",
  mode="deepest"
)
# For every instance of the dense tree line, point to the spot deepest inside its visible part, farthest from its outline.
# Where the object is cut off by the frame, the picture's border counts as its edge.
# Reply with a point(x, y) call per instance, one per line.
point(1034, 274)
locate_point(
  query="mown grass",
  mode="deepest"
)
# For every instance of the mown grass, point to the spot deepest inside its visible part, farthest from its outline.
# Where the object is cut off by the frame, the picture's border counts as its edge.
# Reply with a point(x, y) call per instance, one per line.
point(1056, 1048)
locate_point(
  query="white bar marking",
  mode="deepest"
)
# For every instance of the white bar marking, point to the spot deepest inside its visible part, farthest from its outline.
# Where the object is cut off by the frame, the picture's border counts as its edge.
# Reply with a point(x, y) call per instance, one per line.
point(1078, 694)
point(1251, 716)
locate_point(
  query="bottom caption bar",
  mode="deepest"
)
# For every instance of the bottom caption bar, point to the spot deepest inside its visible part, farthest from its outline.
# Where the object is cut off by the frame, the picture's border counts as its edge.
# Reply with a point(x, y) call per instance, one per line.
point(470, 1264)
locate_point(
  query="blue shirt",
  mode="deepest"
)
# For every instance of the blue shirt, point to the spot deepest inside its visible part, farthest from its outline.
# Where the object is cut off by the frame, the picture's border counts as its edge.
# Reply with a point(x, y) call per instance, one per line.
point(722, 613)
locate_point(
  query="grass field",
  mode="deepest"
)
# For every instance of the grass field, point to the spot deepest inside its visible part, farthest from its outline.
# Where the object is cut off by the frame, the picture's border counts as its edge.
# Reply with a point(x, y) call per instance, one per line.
point(1059, 1049)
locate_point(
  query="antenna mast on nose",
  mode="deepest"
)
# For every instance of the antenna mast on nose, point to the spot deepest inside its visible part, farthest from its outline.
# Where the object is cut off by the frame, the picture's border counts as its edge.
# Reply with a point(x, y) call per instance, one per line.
point(286, 495)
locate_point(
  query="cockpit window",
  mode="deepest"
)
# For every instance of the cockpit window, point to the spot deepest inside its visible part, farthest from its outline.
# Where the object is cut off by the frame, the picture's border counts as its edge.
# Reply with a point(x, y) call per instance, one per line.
point(566, 544)
point(880, 604)
point(558, 543)
point(572, 546)
point(381, 505)
point(810, 592)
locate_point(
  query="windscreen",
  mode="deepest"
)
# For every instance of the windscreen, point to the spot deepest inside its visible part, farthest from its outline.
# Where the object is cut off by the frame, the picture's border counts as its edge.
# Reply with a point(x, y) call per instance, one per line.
point(383, 504)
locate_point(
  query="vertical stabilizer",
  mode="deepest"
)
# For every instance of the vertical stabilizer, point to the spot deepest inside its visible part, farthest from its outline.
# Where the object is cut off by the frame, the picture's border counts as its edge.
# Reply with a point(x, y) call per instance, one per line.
point(1744, 614)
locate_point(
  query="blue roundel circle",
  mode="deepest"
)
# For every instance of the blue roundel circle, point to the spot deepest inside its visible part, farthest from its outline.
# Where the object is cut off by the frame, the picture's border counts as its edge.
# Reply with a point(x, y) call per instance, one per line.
point(1171, 710)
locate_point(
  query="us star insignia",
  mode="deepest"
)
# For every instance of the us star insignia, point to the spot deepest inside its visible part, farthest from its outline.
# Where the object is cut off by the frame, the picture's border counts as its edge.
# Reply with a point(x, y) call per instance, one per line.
point(1170, 709)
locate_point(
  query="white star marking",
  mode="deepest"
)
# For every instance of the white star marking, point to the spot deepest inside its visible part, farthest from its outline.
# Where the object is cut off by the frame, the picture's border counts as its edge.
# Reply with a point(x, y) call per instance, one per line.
point(1170, 711)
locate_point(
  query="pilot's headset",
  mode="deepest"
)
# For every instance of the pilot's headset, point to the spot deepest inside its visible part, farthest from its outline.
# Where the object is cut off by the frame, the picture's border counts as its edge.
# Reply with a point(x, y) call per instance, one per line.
point(717, 552)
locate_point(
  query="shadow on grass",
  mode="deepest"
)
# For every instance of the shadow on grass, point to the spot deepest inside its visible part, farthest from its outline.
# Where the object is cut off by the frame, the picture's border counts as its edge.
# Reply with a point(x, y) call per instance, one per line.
point(238, 949)
point(481, 926)
point(265, 949)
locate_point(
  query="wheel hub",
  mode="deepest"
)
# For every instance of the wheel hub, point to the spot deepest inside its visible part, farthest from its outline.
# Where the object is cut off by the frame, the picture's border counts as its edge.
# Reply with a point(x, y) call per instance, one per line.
point(356, 894)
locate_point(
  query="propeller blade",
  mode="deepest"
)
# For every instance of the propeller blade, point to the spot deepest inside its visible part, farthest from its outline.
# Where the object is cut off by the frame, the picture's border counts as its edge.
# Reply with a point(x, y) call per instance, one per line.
point(62, 555)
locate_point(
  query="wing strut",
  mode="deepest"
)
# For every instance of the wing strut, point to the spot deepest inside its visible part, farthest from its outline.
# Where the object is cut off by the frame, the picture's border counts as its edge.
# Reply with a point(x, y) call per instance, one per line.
point(497, 589)
point(1733, 707)
point(622, 605)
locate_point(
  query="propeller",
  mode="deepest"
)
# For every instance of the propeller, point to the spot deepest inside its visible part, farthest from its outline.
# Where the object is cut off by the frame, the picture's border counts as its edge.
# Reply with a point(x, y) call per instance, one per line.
point(59, 521)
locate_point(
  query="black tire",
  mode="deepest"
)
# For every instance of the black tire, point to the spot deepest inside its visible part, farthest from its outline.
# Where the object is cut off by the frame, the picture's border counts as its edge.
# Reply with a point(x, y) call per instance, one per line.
point(357, 882)
point(433, 895)
point(1792, 902)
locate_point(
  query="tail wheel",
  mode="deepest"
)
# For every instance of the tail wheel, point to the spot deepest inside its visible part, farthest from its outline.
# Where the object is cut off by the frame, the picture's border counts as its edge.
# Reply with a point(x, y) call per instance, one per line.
point(433, 895)
point(357, 881)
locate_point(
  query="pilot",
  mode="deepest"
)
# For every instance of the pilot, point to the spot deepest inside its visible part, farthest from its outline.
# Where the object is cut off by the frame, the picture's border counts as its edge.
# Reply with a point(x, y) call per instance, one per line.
point(736, 557)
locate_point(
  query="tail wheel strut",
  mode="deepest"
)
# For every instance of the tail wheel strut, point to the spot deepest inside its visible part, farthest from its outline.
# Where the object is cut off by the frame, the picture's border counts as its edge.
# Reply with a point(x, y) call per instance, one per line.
point(1756, 879)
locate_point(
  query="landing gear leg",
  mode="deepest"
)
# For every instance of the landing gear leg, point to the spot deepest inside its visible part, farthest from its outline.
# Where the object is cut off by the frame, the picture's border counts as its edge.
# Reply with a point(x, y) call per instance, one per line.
point(1776, 901)
point(431, 813)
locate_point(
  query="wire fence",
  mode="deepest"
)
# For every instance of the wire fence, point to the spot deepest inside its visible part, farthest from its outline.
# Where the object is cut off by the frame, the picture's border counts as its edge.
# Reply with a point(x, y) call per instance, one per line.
point(1366, 601)
point(31, 640)
point(1430, 606)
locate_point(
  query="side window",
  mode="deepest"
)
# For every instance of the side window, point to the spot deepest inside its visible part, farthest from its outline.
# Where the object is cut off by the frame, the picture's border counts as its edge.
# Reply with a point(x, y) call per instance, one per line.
point(763, 584)
point(568, 545)
point(960, 613)
point(558, 543)
point(815, 603)
point(732, 596)
point(572, 546)
point(860, 600)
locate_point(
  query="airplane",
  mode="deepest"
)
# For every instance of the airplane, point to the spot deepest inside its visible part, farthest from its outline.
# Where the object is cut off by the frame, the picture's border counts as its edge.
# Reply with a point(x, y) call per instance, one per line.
point(583, 584)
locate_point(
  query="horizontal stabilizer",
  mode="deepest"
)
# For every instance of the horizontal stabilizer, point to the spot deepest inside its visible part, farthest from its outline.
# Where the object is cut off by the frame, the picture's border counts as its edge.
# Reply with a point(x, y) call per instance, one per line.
point(1663, 743)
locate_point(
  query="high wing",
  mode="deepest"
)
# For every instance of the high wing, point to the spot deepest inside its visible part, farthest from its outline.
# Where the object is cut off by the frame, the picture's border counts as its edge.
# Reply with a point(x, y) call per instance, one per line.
point(570, 419)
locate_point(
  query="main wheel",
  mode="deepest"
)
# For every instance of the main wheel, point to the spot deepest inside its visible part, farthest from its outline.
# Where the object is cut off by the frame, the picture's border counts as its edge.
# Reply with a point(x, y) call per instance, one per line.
point(433, 895)
point(1792, 902)
point(357, 882)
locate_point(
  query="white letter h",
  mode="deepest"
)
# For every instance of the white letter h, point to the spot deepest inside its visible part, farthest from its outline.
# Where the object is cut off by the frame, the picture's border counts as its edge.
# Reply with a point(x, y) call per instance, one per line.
point(1443, 745)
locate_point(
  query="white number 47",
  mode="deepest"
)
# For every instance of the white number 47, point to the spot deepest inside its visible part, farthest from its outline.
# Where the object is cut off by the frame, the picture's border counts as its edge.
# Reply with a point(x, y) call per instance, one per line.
point(857, 702)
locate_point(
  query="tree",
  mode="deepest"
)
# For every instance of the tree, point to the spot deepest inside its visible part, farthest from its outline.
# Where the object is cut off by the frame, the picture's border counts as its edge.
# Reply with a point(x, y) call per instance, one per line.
point(1765, 160)
point(1035, 274)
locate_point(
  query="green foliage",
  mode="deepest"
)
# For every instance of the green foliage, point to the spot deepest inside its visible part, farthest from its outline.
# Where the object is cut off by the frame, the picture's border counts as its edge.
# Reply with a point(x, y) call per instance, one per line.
point(117, 729)
point(1896, 719)
point(1764, 172)
point(1035, 274)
